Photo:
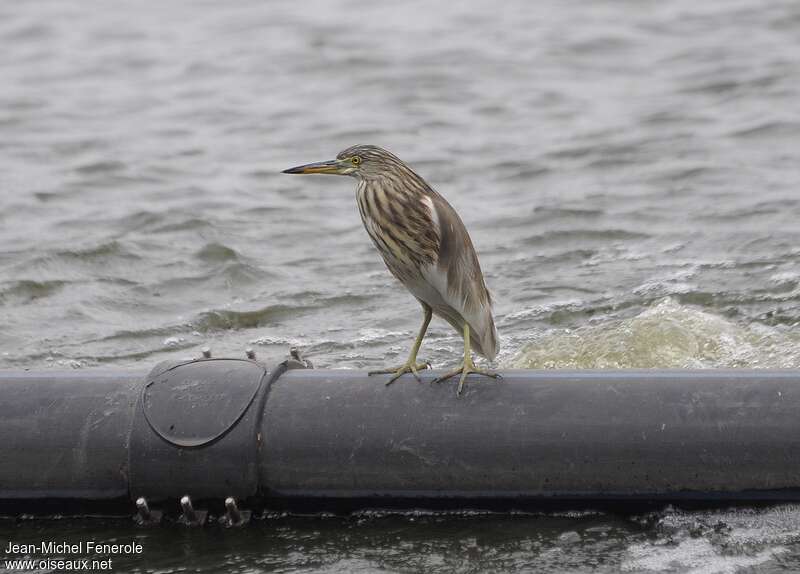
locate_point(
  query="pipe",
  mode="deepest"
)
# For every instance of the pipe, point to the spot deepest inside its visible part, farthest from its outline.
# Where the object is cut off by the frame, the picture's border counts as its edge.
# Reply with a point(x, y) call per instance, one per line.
point(536, 434)
point(232, 428)
point(65, 434)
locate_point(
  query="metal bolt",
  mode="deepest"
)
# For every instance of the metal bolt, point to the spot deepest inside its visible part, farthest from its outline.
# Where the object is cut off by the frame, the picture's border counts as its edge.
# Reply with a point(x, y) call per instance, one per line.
point(296, 361)
point(206, 352)
point(143, 510)
point(188, 510)
point(251, 354)
point(234, 516)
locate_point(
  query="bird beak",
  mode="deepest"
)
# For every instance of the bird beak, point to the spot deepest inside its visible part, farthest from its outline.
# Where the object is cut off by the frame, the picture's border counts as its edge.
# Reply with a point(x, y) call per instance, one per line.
point(333, 166)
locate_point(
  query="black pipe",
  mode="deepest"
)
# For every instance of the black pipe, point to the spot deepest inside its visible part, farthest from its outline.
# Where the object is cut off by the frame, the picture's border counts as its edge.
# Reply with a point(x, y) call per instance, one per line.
point(219, 428)
point(570, 434)
point(65, 434)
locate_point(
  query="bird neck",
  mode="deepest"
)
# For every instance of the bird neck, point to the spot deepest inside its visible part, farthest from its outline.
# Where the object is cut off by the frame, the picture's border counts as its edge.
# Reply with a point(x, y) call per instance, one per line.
point(406, 185)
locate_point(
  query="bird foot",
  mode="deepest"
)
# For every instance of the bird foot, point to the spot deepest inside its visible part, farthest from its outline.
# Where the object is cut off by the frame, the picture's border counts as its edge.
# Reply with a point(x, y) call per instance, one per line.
point(464, 370)
point(409, 367)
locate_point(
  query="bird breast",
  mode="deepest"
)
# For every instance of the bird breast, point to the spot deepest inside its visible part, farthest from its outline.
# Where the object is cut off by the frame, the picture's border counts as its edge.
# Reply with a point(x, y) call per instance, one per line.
point(402, 224)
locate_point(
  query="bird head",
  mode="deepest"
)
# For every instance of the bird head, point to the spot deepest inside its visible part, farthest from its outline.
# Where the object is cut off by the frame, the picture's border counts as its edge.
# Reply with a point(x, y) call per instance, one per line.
point(362, 161)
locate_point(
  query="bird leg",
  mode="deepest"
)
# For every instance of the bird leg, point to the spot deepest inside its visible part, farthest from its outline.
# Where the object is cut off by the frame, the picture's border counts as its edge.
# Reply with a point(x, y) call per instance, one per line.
point(467, 366)
point(411, 365)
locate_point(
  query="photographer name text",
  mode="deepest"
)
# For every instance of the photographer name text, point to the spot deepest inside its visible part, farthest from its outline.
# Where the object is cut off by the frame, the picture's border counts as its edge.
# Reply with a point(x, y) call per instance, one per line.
point(82, 547)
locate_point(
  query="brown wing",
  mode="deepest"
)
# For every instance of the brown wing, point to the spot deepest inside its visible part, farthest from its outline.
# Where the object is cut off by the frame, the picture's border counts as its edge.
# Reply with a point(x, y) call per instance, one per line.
point(466, 290)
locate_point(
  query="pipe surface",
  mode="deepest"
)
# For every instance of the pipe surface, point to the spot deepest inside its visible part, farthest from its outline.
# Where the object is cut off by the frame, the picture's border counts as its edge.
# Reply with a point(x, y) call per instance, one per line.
point(65, 434)
point(308, 434)
point(571, 434)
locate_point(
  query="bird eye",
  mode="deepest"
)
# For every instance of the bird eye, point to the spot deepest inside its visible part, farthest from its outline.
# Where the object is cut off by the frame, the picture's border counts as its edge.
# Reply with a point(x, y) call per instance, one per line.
point(355, 160)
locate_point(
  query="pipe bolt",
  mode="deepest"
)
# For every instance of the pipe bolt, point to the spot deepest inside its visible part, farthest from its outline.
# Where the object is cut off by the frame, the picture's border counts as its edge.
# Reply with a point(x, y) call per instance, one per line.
point(232, 511)
point(144, 516)
point(188, 510)
point(143, 509)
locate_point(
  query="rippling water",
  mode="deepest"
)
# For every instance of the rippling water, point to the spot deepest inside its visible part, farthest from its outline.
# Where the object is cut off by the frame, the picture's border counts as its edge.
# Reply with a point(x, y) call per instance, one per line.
point(628, 172)
point(719, 542)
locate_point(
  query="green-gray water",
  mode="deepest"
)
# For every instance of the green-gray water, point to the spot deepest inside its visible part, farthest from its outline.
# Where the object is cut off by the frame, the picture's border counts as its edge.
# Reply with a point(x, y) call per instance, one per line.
point(628, 171)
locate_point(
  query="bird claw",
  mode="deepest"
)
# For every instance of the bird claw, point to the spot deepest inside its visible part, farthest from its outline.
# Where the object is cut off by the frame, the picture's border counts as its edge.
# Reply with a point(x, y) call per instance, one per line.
point(400, 371)
point(465, 370)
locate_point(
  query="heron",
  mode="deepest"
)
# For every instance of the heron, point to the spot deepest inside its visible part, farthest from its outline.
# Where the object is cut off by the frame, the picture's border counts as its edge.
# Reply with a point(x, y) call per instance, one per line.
point(426, 246)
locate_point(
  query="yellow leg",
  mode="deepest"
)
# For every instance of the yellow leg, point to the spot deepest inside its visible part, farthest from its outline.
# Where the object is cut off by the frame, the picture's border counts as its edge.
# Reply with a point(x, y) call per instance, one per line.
point(467, 366)
point(411, 365)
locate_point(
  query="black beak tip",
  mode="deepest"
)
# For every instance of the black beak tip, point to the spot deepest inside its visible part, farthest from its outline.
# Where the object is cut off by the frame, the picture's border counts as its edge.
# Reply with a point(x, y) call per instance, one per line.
point(290, 170)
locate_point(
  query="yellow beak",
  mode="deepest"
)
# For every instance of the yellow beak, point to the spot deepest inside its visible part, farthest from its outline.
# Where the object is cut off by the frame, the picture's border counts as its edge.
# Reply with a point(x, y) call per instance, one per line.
point(333, 166)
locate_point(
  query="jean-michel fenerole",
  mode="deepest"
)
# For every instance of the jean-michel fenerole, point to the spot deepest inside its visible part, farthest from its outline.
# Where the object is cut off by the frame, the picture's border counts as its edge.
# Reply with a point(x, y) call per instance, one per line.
point(81, 547)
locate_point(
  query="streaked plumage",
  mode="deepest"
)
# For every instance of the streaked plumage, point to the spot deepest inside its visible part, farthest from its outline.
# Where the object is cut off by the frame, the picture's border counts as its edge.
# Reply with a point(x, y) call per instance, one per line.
point(424, 244)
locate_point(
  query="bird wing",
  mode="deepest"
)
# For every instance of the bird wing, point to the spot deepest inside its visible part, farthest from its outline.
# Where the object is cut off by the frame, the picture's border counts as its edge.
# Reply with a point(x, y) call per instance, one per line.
point(458, 279)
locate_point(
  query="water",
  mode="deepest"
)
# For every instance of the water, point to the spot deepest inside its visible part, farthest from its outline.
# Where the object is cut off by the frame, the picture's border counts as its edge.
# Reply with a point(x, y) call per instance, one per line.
point(718, 542)
point(627, 170)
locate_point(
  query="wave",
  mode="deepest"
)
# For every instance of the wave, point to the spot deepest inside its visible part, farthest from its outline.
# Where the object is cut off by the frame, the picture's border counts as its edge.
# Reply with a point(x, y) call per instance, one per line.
point(218, 319)
point(26, 291)
point(665, 335)
point(559, 236)
point(718, 541)
point(217, 252)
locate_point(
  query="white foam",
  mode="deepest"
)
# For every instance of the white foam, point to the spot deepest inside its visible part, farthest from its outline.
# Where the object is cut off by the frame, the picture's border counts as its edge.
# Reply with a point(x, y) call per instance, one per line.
point(692, 556)
point(666, 335)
